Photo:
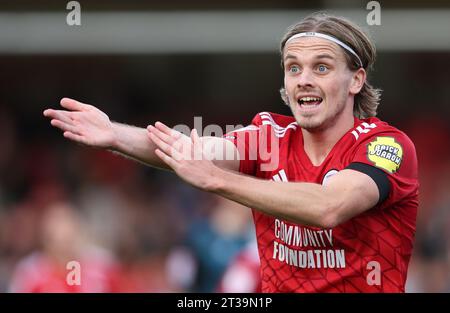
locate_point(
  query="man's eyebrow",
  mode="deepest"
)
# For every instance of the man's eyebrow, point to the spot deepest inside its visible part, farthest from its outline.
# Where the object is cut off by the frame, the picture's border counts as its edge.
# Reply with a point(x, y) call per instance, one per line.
point(320, 56)
point(290, 56)
point(325, 56)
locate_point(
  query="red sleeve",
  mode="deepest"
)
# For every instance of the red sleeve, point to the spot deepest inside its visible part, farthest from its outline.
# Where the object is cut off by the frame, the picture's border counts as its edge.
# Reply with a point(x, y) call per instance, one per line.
point(246, 141)
point(393, 153)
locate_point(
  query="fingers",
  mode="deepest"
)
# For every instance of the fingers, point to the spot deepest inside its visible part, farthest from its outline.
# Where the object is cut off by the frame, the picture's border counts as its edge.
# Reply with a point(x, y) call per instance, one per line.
point(166, 148)
point(64, 126)
point(166, 159)
point(167, 130)
point(194, 137)
point(73, 105)
point(163, 136)
point(174, 138)
point(197, 145)
point(74, 137)
point(180, 146)
point(64, 116)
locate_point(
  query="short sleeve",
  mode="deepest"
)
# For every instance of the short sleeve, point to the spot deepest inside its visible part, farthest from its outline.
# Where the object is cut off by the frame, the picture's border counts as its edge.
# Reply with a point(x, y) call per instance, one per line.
point(246, 141)
point(393, 156)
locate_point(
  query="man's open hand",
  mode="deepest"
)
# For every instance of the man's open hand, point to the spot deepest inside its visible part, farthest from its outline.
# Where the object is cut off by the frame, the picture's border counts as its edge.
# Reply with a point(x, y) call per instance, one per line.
point(185, 156)
point(83, 123)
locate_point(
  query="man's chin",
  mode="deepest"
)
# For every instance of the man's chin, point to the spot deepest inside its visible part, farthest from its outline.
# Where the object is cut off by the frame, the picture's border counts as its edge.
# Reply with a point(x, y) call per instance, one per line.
point(312, 128)
point(309, 123)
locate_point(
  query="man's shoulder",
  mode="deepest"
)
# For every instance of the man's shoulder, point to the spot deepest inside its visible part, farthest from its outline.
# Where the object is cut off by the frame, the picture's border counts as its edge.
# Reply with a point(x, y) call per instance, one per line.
point(373, 127)
point(384, 146)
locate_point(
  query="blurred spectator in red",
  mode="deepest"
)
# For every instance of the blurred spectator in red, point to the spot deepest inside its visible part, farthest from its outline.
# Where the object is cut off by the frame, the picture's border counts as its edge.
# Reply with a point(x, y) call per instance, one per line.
point(63, 240)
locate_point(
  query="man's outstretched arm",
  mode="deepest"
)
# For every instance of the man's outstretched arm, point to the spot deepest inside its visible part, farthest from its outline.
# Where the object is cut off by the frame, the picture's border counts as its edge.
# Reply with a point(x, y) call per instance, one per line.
point(86, 124)
point(345, 195)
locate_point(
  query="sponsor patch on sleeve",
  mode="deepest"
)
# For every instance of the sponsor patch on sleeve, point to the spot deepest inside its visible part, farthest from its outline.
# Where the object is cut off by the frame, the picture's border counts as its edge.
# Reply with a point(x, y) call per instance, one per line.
point(385, 153)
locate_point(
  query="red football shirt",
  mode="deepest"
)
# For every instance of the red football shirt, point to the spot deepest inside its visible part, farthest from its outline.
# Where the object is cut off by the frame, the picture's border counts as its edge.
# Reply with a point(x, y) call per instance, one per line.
point(368, 253)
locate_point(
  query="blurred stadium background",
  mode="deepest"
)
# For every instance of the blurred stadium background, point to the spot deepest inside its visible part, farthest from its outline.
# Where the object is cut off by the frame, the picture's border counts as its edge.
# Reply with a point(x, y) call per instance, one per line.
point(135, 229)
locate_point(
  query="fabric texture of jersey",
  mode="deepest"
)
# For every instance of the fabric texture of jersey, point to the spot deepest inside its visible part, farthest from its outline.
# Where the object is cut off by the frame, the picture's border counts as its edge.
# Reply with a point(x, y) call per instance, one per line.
point(368, 253)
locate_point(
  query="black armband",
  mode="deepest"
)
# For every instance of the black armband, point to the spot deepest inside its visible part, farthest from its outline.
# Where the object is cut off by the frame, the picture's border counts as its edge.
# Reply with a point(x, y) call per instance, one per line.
point(379, 177)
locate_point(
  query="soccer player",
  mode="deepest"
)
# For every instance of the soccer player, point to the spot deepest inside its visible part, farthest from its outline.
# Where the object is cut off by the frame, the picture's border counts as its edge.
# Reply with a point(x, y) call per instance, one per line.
point(333, 190)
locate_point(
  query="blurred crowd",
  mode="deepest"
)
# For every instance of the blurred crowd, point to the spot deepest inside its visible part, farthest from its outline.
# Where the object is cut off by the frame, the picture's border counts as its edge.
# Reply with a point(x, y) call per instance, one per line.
point(136, 229)
point(130, 227)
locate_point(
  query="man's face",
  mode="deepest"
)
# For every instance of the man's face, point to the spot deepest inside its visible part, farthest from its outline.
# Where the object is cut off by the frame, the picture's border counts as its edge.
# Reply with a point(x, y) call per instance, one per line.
point(318, 82)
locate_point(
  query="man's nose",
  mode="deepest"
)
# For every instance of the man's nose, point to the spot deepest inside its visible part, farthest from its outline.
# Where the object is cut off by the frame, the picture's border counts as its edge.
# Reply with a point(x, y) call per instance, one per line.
point(305, 79)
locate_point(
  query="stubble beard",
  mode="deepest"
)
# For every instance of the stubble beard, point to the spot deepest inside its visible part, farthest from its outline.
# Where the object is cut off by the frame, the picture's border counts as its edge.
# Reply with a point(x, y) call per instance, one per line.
point(319, 121)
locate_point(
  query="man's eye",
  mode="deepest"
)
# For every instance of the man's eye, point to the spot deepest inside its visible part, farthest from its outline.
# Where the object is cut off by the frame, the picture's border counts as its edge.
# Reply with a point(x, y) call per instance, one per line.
point(322, 68)
point(294, 69)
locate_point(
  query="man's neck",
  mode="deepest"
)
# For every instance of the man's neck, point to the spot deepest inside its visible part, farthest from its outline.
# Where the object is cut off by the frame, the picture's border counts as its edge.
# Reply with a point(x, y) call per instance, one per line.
point(318, 144)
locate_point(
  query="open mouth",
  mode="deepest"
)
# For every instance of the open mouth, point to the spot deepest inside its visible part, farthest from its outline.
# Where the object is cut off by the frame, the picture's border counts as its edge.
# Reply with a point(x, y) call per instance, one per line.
point(307, 102)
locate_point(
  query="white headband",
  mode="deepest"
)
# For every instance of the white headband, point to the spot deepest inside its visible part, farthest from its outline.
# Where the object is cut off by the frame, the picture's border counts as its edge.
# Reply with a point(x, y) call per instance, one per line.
point(327, 37)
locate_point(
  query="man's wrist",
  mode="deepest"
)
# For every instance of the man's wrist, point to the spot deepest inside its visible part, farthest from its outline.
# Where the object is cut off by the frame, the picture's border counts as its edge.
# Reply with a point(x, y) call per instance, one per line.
point(115, 142)
point(219, 181)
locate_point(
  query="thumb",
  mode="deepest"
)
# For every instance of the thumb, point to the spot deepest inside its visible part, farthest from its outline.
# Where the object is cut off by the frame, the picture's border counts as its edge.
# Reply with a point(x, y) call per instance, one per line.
point(197, 145)
point(72, 104)
point(194, 136)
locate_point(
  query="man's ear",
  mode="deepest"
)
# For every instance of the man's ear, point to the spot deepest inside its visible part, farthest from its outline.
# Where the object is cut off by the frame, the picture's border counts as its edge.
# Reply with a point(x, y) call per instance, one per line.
point(358, 80)
point(284, 96)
